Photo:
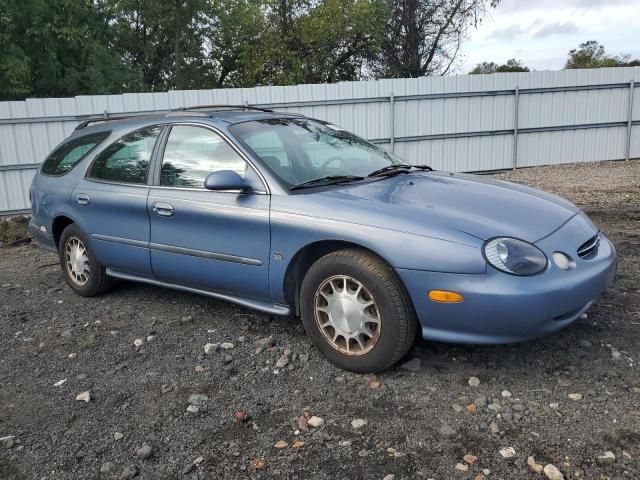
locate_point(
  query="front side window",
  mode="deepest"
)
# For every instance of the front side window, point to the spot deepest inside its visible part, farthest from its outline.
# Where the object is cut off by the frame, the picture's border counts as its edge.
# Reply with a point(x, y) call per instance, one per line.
point(67, 156)
point(127, 160)
point(192, 153)
point(299, 150)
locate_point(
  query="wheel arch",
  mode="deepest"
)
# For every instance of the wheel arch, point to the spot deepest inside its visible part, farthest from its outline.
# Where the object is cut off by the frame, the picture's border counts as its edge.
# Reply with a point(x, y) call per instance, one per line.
point(59, 223)
point(307, 256)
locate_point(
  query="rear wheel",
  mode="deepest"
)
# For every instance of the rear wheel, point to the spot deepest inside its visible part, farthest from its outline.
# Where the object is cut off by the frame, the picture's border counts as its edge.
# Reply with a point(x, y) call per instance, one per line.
point(84, 274)
point(356, 311)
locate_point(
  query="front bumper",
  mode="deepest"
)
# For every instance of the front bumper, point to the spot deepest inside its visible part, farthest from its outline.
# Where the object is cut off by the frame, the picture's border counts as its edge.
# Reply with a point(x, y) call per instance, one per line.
point(501, 308)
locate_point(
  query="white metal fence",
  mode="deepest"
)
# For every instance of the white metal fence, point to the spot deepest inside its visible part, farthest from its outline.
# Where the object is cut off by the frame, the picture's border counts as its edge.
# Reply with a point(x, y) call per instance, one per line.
point(457, 123)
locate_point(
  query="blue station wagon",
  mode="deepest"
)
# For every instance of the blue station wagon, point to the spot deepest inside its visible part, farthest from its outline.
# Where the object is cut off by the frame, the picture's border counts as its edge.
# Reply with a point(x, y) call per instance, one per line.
point(295, 216)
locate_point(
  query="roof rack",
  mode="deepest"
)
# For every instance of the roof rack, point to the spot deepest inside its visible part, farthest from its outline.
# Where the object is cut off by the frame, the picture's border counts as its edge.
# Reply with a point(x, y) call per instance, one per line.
point(107, 117)
point(223, 107)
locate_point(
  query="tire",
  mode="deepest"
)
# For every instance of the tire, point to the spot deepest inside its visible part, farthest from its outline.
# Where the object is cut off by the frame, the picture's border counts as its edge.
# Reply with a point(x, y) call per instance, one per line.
point(93, 279)
point(356, 278)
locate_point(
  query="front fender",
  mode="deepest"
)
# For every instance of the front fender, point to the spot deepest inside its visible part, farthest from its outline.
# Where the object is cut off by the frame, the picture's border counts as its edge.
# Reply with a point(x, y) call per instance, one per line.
point(291, 232)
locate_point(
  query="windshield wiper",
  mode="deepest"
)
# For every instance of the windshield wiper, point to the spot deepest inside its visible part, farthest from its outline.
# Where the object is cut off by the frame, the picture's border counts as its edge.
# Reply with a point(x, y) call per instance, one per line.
point(396, 168)
point(389, 169)
point(328, 180)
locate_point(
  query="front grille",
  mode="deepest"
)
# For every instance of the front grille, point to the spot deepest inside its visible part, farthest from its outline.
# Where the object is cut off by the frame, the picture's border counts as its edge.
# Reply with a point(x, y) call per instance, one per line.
point(589, 248)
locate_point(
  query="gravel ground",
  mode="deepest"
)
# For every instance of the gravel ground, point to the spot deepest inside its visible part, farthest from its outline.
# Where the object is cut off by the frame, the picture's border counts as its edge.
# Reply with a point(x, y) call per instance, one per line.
point(159, 407)
point(591, 186)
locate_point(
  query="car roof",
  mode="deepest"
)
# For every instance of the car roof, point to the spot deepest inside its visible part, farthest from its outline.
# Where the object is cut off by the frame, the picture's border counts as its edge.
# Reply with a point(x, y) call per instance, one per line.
point(212, 114)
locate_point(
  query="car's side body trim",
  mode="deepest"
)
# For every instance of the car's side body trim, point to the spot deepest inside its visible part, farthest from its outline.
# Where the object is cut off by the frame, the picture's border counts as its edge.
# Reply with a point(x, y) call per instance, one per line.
point(204, 254)
point(123, 241)
point(273, 309)
point(179, 250)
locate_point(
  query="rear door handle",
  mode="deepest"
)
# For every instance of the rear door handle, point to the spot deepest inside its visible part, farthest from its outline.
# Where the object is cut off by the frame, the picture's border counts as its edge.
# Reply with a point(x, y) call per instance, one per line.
point(163, 209)
point(82, 199)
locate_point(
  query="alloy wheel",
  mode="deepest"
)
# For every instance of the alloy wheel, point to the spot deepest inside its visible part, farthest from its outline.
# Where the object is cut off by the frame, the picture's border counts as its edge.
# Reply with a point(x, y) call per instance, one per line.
point(347, 315)
point(77, 261)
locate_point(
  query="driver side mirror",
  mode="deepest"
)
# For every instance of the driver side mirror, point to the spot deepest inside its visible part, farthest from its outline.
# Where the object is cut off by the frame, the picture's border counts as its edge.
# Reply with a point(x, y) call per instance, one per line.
point(225, 180)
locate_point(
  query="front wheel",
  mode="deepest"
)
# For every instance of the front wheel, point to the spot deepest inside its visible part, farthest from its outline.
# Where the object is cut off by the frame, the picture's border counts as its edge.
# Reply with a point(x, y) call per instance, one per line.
point(84, 274)
point(356, 311)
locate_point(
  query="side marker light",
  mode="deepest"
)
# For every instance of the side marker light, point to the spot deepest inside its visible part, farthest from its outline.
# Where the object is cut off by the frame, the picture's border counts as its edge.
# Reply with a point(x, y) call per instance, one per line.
point(445, 296)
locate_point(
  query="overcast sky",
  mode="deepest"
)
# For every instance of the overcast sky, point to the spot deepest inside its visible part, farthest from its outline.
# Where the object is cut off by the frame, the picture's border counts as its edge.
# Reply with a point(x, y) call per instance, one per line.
point(540, 33)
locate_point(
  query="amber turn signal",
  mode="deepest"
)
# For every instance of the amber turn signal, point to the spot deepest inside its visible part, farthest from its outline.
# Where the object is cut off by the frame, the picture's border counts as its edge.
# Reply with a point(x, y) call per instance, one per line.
point(444, 296)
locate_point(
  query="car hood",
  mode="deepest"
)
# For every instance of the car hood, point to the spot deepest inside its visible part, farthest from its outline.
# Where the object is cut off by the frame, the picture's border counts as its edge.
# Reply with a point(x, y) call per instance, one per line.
point(476, 205)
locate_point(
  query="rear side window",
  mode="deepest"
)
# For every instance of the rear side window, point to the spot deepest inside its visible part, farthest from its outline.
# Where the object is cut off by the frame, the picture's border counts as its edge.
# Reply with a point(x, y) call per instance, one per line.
point(67, 156)
point(127, 160)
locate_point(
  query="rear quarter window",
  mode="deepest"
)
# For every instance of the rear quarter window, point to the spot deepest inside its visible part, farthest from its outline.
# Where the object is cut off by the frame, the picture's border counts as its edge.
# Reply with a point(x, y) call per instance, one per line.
point(69, 154)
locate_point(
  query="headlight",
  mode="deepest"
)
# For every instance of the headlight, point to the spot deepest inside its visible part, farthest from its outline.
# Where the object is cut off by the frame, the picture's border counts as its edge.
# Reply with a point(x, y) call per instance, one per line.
point(514, 256)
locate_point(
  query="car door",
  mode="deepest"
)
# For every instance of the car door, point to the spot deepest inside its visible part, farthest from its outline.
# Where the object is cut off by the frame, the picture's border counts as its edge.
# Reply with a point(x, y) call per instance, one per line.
point(216, 240)
point(111, 202)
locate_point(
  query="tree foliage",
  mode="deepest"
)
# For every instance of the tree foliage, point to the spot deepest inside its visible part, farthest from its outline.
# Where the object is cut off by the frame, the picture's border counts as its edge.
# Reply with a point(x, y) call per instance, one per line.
point(159, 41)
point(512, 65)
point(423, 37)
point(55, 48)
point(311, 42)
point(592, 55)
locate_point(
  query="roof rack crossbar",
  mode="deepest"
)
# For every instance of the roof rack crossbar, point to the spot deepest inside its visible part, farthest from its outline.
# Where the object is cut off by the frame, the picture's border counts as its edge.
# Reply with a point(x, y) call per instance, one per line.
point(104, 118)
point(221, 107)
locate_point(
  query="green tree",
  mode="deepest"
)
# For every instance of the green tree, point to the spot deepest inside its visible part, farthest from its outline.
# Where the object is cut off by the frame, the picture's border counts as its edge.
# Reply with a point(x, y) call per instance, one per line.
point(484, 68)
point(15, 68)
point(512, 65)
point(315, 42)
point(162, 41)
point(254, 42)
point(54, 48)
point(232, 39)
point(592, 55)
point(73, 47)
point(340, 37)
point(423, 37)
point(231, 43)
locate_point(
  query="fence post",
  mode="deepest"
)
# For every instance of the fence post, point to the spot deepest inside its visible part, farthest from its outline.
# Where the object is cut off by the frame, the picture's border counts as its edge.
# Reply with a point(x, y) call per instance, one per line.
point(516, 104)
point(629, 121)
point(392, 116)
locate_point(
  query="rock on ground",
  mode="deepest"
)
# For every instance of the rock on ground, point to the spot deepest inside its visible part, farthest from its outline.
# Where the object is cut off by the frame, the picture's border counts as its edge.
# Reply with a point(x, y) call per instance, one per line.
point(315, 422)
point(607, 458)
point(412, 365)
point(128, 473)
point(358, 423)
point(552, 472)
point(533, 465)
point(473, 381)
point(508, 452)
point(144, 451)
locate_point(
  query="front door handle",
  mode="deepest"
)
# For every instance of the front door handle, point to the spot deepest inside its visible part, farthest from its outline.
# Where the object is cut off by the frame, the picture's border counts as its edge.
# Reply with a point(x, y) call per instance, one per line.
point(163, 209)
point(82, 199)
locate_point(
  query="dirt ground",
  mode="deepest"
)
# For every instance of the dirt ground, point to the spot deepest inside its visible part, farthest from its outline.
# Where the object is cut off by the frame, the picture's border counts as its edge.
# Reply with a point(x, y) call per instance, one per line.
point(140, 352)
point(13, 230)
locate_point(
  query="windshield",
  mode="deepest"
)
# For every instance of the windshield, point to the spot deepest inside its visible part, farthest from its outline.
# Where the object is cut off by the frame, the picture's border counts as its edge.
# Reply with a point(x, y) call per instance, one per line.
point(299, 150)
